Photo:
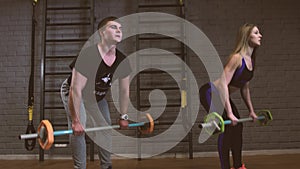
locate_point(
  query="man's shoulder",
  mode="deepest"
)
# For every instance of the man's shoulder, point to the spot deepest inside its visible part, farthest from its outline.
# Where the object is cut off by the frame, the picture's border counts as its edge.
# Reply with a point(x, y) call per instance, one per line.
point(120, 54)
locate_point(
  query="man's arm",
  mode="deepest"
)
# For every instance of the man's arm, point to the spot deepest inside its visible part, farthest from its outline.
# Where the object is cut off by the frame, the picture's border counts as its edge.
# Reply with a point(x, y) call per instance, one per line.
point(124, 99)
point(75, 99)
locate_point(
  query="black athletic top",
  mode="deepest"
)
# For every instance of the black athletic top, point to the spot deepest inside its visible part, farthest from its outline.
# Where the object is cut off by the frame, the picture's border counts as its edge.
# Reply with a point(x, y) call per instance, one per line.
point(90, 64)
point(241, 75)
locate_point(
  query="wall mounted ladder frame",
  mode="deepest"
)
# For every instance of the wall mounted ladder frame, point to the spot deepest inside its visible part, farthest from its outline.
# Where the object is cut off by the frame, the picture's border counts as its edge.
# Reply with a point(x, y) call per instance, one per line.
point(65, 23)
point(179, 7)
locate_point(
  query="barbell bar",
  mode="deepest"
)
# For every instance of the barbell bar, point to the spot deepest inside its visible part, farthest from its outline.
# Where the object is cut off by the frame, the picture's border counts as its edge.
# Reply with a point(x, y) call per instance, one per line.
point(214, 120)
point(65, 132)
point(45, 134)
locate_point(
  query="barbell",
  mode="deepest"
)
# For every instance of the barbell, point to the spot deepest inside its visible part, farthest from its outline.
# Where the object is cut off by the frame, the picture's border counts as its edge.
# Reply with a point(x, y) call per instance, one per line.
point(214, 121)
point(45, 133)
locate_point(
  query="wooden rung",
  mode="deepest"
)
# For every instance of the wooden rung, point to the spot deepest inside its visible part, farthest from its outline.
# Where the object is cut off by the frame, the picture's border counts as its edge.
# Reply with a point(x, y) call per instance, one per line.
point(68, 8)
point(160, 5)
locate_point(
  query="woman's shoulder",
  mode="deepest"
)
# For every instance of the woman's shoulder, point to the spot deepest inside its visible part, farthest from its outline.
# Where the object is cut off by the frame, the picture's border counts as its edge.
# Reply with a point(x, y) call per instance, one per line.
point(234, 60)
point(235, 57)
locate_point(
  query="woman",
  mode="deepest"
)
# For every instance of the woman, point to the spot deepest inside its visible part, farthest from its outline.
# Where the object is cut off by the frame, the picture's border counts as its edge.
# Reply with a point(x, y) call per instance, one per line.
point(106, 58)
point(237, 73)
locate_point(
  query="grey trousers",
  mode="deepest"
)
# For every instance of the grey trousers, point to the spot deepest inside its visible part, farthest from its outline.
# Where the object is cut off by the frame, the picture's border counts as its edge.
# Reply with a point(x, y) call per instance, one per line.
point(78, 143)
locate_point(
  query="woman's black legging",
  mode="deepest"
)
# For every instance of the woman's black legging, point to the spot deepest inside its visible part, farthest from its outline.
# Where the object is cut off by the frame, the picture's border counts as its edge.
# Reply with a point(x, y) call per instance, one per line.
point(231, 139)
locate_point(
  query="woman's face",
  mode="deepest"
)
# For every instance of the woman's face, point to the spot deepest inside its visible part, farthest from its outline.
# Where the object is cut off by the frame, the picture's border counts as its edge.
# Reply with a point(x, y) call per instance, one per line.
point(255, 37)
point(112, 32)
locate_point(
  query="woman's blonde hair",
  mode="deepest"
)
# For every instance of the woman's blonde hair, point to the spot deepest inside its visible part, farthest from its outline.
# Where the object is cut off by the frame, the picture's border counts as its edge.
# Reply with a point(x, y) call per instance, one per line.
point(242, 40)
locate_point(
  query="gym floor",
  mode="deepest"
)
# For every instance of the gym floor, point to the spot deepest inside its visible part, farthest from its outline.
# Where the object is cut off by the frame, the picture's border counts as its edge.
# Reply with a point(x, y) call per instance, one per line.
point(288, 161)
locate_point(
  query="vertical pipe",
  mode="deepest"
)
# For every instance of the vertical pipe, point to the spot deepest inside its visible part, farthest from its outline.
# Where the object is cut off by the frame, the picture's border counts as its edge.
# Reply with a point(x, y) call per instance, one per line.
point(42, 97)
point(92, 22)
point(138, 101)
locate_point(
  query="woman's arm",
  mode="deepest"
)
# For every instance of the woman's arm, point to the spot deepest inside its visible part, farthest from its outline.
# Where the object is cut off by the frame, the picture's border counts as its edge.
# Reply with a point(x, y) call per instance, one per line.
point(75, 98)
point(229, 69)
point(245, 93)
